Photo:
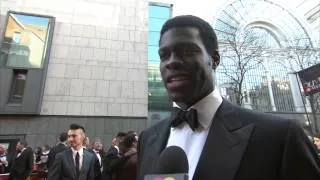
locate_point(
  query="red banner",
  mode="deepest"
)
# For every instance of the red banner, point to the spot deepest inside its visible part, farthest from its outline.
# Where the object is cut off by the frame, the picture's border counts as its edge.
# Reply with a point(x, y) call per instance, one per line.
point(310, 79)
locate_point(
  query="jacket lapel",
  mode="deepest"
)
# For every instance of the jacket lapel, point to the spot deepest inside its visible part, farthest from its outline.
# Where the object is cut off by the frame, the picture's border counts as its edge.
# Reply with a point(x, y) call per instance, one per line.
point(71, 162)
point(85, 162)
point(225, 145)
point(156, 143)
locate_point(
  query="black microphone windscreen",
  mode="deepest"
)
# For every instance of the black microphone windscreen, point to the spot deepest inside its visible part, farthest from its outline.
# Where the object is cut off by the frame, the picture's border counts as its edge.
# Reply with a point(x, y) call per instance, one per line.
point(172, 160)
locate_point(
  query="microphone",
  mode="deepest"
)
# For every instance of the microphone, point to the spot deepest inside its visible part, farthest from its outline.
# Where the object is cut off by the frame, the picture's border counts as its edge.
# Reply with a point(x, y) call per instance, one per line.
point(172, 164)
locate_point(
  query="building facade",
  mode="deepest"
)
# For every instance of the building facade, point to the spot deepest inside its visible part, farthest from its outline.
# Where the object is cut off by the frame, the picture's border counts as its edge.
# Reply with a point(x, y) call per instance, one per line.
point(94, 69)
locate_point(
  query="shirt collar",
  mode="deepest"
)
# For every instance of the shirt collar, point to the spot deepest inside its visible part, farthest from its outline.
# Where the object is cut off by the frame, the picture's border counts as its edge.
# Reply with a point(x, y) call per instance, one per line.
point(206, 108)
point(23, 149)
point(117, 148)
point(74, 151)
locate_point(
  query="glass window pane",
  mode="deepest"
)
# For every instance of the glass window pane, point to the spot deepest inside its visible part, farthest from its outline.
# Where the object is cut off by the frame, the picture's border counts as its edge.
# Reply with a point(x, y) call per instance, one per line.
point(153, 56)
point(156, 24)
point(153, 38)
point(159, 12)
point(158, 104)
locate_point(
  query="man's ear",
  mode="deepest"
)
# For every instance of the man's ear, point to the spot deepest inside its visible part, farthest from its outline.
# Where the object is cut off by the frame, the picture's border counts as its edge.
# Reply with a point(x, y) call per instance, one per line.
point(215, 60)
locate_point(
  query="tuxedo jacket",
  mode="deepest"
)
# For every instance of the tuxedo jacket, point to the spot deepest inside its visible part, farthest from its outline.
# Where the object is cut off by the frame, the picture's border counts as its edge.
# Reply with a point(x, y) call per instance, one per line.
point(241, 145)
point(97, 166)
point(64, 168)
point(21, 166)
point(54, 151)
point(111, 158)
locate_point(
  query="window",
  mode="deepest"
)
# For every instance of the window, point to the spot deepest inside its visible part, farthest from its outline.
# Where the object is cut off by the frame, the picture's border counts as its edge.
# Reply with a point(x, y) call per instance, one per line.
point(18, 85)
point(158, 104)
point(16, 37)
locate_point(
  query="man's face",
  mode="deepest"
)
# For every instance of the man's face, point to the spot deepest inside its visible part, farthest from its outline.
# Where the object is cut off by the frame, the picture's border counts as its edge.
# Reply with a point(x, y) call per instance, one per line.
point(97, 146)
point(185, 65)
point(2, 150)
point(75, 137)
point(317, 142)
point(19, 146)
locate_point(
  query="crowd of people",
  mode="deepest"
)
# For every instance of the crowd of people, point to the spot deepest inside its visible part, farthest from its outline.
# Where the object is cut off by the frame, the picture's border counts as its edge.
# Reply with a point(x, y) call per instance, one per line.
point(119, 162)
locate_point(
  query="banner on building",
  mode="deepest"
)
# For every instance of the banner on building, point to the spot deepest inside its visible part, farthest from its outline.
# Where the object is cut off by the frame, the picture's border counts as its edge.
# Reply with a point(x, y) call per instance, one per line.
point(310, 79)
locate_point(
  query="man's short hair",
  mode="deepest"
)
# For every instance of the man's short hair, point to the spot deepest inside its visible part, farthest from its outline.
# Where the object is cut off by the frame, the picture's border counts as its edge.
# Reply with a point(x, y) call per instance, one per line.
point(129, 139)
point(76, 126)
point(207, 34)
point(121, 134)
point(23, 142)
point(96, 140)
point(63, 137)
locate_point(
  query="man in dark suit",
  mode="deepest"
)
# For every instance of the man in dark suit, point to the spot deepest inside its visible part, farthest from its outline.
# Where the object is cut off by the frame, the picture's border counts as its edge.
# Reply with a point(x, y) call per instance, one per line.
point(61, 146)
point(96, 150)
point(222, 141)
point(22, 164)
point(112, 157)
point(75, 163)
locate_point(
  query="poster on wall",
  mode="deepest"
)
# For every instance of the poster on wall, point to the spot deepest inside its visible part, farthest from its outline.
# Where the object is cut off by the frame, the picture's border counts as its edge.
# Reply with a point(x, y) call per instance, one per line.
point(310, 79)
point(25, 40)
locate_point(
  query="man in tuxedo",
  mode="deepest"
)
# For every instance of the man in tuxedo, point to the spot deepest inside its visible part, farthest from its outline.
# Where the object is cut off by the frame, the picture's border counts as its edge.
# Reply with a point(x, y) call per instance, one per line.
point(75, 163)
point(222, 141)
point(61, 146)
point(112, 157)
point(22, 164)
point(97, 152)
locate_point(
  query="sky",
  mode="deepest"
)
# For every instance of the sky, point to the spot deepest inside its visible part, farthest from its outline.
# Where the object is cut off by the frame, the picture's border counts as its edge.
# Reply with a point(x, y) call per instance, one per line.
point(27, 19)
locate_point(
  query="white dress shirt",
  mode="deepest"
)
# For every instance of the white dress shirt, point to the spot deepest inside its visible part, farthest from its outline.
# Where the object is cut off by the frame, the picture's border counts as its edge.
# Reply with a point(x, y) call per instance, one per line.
point(74, 152)
point(19, 154)
point(192, 142)
point(117, 149)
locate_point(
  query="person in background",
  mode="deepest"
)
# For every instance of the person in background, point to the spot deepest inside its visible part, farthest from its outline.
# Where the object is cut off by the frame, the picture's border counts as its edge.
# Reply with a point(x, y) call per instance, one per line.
point(126, 165)
point(75, 163)
point(111, 156)
point(3, 160)
point(37, 155)
point(96, 150)
point(44, 159)
point(22, 165)
point(61, 146)
point(316, 142)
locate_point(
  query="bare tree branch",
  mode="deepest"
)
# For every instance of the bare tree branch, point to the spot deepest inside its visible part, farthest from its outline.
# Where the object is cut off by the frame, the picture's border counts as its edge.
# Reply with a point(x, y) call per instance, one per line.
point(244, 51)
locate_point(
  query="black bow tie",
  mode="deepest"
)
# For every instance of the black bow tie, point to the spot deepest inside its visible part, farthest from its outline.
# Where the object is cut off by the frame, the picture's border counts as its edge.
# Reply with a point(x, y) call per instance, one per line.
point(179, 116)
